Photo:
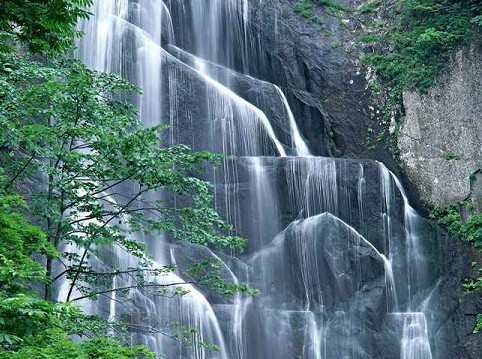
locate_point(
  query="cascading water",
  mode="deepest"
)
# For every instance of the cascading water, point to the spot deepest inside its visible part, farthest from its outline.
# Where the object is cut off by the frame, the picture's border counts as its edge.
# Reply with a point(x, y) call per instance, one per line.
point(335, 248)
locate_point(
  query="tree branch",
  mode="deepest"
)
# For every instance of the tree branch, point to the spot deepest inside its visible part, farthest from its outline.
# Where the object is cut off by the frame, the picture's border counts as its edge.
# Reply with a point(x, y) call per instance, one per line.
point(24, 167)
point(152, 330)
point(114, 273)
point(140, 286)
point(84, 255)
point(110, 186)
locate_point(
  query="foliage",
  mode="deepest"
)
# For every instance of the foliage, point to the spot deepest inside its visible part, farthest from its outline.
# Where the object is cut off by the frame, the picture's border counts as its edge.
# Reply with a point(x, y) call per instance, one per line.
point(102, 167)
point(408, 44)
point(45, 26)
point(73, 138)
point(478, 324)
point(208, 274)
point(20, 242)
point(473, 284)
point(449, 217)
point(54, 342)
point(451, 156)
point(333, 6)
point(31, 327)
point(369, 7)
point(467, 229)
point(306, 8)
point(416, 39)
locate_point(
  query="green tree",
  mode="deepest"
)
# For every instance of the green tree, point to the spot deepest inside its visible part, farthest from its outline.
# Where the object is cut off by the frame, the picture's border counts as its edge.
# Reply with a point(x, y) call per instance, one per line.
point(73, 146)
point(44, 25)
point(100, 170)
point(29, 326)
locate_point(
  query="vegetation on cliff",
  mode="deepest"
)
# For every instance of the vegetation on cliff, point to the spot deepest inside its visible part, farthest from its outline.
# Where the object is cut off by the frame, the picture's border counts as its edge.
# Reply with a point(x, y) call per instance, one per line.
point(405, 44)
point(411, 41)
point(467, 228)
point(408, 44)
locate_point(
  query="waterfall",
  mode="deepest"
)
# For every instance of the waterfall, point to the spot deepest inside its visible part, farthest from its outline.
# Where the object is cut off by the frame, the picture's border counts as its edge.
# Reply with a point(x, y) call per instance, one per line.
point(335, 248)
point(297, 141)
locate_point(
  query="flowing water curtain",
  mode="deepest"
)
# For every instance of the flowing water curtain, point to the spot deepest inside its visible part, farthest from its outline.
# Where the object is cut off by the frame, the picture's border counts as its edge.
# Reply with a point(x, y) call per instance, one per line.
point(215, 30)
point(313, 268)
point(408, 253)
point(128, 37)
point(218, 119)
point(415, 343)
point(297, 141)
point(124, 37)
point(267, 97)
point(267, 268)
point(313, 185)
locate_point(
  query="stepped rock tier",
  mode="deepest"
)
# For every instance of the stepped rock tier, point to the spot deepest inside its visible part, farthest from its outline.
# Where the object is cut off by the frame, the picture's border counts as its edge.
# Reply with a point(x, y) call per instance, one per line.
point(346, 268)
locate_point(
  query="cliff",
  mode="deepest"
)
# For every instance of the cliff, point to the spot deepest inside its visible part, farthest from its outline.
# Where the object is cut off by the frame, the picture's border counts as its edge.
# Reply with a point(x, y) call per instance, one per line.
point(440, 138)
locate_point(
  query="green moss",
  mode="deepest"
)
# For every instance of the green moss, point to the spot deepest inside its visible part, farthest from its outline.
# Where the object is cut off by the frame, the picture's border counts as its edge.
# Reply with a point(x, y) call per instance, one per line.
point(450, 156)
point(305, 9)
point(418, 38)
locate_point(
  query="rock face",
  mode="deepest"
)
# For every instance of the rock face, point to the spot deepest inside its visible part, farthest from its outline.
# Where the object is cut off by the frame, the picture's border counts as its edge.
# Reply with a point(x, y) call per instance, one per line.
point(346, 267)
point(440, 140)
point(321, 231)
point(324, 85)
point(440, 143)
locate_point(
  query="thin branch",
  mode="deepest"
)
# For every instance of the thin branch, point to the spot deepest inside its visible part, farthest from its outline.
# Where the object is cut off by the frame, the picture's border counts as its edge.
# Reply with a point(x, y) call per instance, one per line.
point(61, 274)
point(84, 255)
point(114, 273)
point(112, 214)
point(128, 288)
point(110, 186)
point(152, 330)
point(24, 167)
point(132, 210)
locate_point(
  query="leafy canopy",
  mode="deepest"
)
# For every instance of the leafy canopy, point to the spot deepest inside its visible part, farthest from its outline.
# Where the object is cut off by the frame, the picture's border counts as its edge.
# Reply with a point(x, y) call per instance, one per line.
point(44, 25)
point(29, 326)
point(20, 241)
point(103, 169)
